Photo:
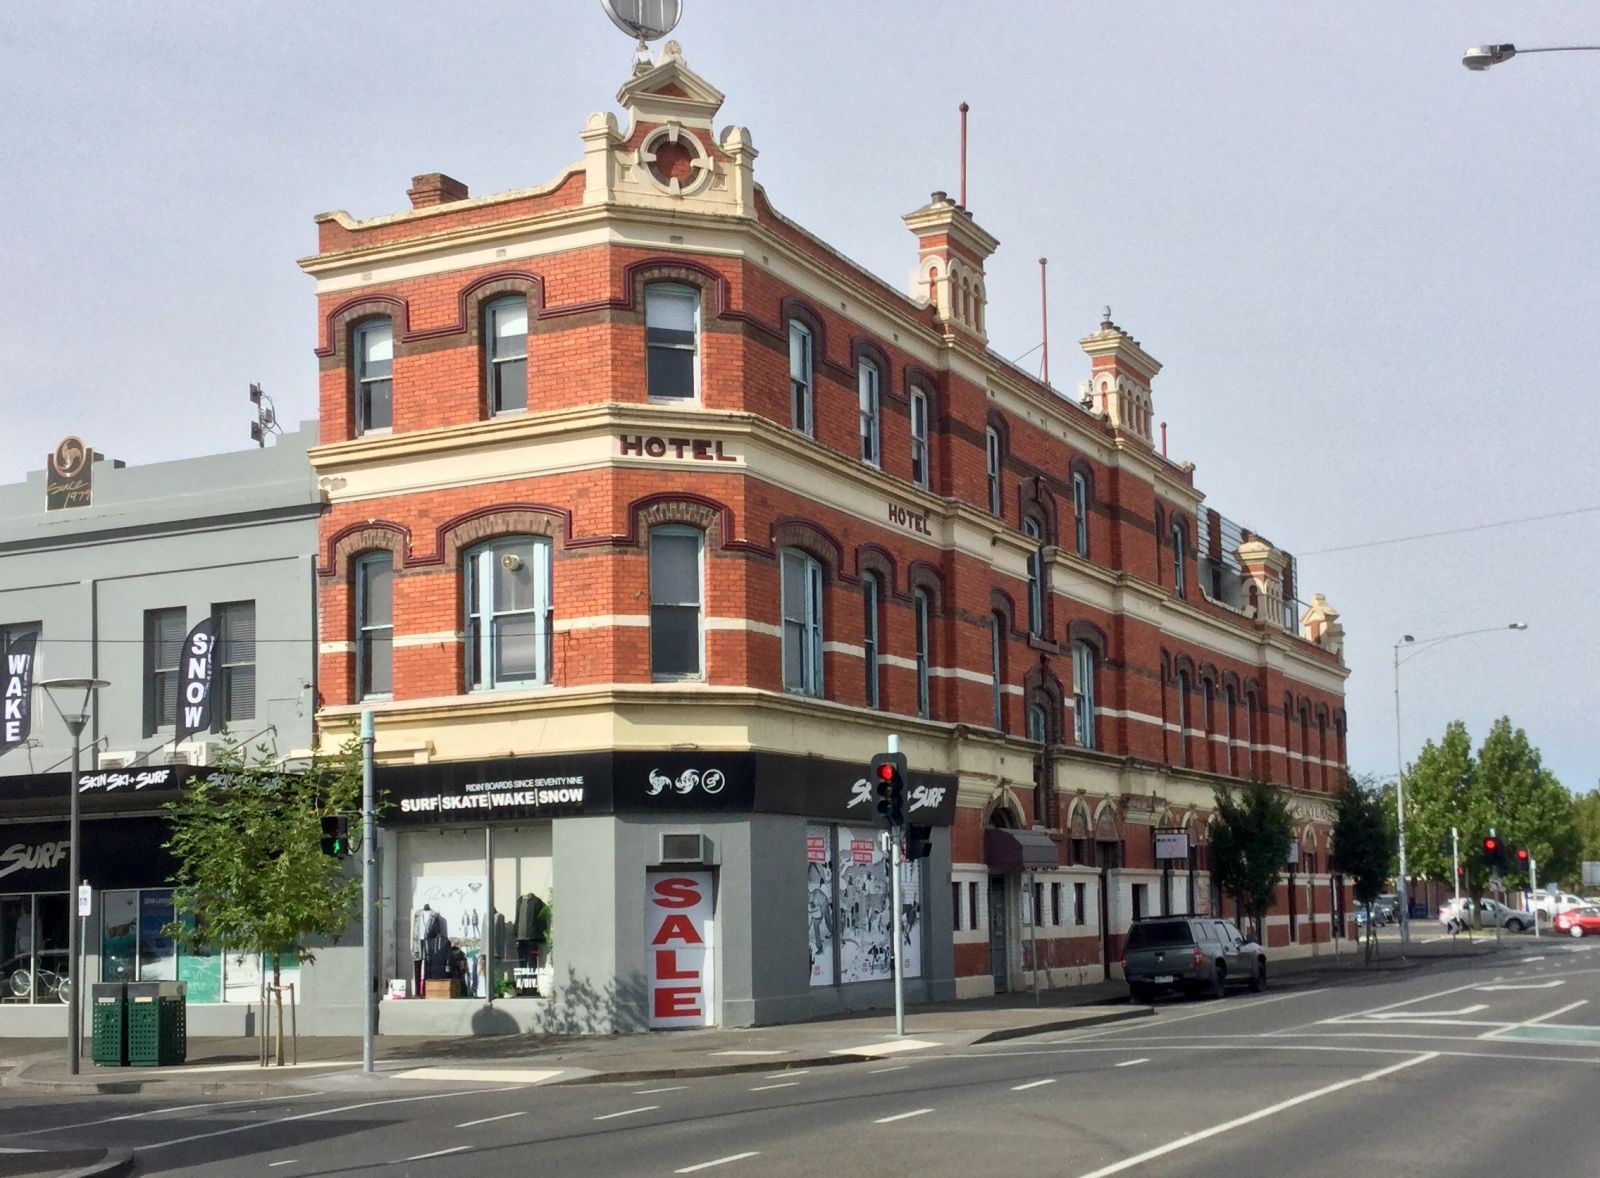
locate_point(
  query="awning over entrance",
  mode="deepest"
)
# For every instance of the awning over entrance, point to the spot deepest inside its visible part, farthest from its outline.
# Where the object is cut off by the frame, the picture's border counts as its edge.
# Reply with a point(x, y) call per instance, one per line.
point(1018, 850)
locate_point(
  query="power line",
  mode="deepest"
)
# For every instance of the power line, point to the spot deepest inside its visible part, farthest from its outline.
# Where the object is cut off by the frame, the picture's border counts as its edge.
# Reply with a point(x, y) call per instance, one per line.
point(1504, 523)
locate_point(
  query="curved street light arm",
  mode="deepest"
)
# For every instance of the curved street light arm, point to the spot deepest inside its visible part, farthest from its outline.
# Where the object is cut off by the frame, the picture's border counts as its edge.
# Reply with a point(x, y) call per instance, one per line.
point(1481, 57)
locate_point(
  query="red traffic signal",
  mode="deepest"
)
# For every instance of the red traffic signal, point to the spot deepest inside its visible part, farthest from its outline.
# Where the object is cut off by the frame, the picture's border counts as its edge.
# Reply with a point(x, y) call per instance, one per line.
point(1522, 856)
point(1490, 845)
point(889, 769)
point(886, 772)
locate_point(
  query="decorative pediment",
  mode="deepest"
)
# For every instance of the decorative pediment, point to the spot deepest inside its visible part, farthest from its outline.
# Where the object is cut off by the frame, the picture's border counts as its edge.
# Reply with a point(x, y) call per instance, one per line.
point(669, 90)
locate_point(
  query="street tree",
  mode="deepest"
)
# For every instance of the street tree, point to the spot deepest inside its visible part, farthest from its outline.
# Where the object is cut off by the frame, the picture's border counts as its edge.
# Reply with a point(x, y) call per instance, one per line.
point(252, 880)
point(1250, 846)
point(1586, 820)
point(1363, 843)
point(1504, 789)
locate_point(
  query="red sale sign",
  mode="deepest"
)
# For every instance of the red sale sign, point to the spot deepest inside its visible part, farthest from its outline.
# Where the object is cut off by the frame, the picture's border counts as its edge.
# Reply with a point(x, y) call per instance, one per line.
point(678, 928)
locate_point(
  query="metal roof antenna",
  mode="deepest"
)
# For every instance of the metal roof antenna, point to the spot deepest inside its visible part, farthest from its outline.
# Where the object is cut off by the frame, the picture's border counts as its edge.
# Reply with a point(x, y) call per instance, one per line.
point(645, 21)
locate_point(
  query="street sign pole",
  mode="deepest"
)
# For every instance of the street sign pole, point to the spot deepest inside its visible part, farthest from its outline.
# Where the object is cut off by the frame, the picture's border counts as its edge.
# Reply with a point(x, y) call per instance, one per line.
point(369, 895)
point(899, 953)
point(1533, 886)
point(1455, 863)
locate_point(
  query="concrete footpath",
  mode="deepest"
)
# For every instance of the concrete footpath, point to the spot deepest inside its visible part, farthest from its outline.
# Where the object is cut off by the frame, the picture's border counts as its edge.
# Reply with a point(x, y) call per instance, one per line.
point(229, 1067)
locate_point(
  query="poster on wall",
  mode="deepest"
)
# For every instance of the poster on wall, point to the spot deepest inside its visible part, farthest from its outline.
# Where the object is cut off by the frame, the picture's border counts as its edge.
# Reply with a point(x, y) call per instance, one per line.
point(450, 912)
point(819, 904)
point(911, 917)
point(678, 911)
point(865, 913)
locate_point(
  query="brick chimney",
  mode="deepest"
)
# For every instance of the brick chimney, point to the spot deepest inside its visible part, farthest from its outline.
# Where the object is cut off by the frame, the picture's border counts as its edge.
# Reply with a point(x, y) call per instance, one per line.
point(435, 188)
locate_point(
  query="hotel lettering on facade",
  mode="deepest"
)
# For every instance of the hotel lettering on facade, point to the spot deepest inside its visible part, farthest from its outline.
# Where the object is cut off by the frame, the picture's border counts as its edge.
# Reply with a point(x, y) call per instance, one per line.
point(651, 514)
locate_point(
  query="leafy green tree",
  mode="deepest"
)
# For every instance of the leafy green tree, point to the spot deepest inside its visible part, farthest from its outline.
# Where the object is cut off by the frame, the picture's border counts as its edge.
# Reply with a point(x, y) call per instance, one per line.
point(1250, 844)
point(251, 876)
point(1505, 788)
point(1363, 842)
point(1586, 821)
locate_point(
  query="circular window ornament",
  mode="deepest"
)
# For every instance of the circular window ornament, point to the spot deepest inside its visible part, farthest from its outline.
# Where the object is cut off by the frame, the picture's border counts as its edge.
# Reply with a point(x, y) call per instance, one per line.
point(676, 161)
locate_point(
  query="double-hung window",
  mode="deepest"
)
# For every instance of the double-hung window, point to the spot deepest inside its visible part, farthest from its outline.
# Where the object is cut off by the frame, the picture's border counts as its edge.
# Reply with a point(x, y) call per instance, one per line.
point(374, 356)
point(1083, 693)
point(1037, 724)
point(871, 594)
point(922, 606)
point(1230, 701)
point(920, 473)
point(164, 631)
point(508, 613)
point(1177, 557)
point(800, 376)
point(505, 323)
point(991, 441)
point(1080, 514)
point(671, 337)
point(997, 657)
point(374, 625)
point(802, 623)
point(1183, 717)
point(1031, 529)
point(236, 668)
point(867, 394)
point(675, 594)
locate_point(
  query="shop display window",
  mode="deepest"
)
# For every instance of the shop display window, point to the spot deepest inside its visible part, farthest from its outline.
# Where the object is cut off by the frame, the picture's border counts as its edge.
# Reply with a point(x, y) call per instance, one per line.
point(33, 947)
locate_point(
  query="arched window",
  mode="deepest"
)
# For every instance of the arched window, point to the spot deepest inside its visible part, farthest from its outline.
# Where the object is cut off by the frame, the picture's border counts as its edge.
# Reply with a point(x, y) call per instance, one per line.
point(1178, 584)
point(867, 382)
point(1208, 720)
point(1181, 690)
point(802, 622)
point(508, 613)
point(1305, 747)
point(921, 457)
point(505, 333)
point(374, 625)
point(1229, 703)
point(677, 577)
point(1038, 723)
point(1322, 749)
point(1083, 668)
point(800, 376)
point(922, 607)
point(1251, 706)
point(871, 606)
point(672, 341)
point(374, 375)
point(1031, 529)
point(997, 659)
point(1080, 513)
point(991, 440)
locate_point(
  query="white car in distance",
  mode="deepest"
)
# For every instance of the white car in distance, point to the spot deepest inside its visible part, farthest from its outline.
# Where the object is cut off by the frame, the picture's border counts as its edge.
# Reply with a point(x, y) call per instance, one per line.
point(1492, 913)
point(1550, 905)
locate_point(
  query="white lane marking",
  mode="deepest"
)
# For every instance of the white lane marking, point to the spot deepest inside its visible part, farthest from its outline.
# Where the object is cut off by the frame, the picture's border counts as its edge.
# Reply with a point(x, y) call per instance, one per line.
point(1547, 984)
point(157, 1112)
point(285, 1162)
point(481, 1075)
point(1535, 957)
point(628, 1112)
point(1128, 1063)
point(732, 1157)
point(326, 1112)
point(438, 1153)
point(1582, 948)
point(1256, 1044)
point(653, 1091)
point(1368, 1013)
point(891, 1048)
point(777, 1051)
point(917, 1112)
point(486, 1120)
point(770, 1087)
point(1258, 1115)
point(1031, 1084)
point(899, 1067)
point(1414, 1015)
point(1536, 1020)
point(1145, 1024)
point(792, 1072)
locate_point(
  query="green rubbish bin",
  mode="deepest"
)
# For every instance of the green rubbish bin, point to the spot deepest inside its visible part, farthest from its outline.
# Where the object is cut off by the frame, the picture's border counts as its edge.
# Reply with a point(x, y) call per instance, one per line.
point(157, 1024)
point(109, 1024)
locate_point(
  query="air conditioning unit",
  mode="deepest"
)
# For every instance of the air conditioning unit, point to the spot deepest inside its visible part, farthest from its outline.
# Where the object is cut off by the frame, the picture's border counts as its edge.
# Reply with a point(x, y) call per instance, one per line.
point(192, 753)
point(116, 760)
point(685, 848)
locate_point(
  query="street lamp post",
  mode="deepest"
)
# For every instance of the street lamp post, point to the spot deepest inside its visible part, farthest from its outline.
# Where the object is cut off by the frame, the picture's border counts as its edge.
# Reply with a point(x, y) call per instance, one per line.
point(1481, 57)
point(76, 693)
point(1400, 760)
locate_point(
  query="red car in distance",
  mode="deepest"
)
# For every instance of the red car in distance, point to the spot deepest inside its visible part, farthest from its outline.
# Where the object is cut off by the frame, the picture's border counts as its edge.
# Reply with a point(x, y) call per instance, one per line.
point(1579, 922)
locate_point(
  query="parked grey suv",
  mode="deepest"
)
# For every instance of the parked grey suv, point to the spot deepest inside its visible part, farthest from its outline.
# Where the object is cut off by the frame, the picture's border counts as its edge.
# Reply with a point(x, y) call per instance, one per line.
point(1197, 954)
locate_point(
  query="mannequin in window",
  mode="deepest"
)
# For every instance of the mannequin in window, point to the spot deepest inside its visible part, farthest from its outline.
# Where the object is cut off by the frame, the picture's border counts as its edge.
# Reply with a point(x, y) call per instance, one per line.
point(430, 944)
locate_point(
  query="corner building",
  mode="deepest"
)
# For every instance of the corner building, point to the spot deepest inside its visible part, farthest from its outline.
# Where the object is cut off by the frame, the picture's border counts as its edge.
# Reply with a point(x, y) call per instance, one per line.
point(652, 514)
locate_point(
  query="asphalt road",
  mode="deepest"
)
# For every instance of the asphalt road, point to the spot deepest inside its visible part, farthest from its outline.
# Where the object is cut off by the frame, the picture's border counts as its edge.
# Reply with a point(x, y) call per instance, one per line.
point(1484, 1069)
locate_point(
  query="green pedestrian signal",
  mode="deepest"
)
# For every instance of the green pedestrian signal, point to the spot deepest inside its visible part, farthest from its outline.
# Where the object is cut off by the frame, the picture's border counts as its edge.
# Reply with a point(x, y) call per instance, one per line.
point(335, 835)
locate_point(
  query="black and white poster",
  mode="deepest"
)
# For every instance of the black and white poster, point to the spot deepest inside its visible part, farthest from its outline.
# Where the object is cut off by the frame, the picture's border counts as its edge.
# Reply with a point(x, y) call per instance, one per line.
point(819, 903)
point(16, 698)
point(199, 662)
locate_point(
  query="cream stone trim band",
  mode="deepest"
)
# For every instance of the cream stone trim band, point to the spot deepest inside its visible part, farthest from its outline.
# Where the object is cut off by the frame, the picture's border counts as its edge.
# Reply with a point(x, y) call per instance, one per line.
point(744, 624)
point(336, 647)
point(443, 637)
point(600, 622)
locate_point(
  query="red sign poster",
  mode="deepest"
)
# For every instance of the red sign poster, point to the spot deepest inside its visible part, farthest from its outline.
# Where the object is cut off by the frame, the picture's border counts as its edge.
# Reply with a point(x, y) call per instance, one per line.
point(678, 926)
point(861, 851)
point(816, 848)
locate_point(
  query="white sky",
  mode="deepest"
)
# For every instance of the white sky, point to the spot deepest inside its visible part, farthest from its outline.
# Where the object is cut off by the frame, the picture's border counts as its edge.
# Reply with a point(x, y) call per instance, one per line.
point(1371, 274)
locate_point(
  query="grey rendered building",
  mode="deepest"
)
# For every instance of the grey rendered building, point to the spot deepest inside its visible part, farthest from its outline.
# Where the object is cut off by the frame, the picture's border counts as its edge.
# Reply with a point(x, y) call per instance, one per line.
point(111, 587)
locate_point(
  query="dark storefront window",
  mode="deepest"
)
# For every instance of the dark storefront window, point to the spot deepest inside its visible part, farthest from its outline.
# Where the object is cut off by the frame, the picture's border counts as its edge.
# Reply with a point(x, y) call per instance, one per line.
point(33, 947)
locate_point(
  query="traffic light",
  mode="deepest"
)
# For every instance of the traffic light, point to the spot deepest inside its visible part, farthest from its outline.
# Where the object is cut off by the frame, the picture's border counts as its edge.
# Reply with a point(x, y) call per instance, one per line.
point(335, 835)
point(919, 841)
point(888, 775)
point(1522, 858)
point(1494, 853)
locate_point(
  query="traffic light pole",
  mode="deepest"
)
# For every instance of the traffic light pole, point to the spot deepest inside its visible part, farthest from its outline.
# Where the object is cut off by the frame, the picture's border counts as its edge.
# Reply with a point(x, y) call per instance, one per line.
point(369, 896)
point(1533, 886)
point(899, 949)
point(1455, 864)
